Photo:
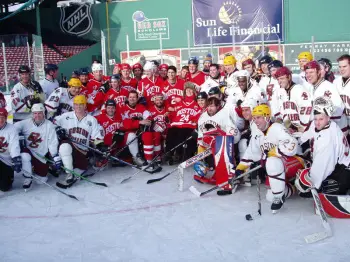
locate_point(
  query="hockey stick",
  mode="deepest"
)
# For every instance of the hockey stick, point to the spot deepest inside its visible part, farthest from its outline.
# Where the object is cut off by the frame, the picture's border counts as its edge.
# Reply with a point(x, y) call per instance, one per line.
point(128, 144)
point(154, 159)
point(73, 172)
point(199, 194)
point(184, 164)
point(328, 230)
point(38, 179)
point(250, 217)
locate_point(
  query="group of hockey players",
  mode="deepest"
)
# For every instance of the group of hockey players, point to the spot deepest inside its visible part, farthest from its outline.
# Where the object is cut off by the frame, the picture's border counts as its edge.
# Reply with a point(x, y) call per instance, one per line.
point(295, 126)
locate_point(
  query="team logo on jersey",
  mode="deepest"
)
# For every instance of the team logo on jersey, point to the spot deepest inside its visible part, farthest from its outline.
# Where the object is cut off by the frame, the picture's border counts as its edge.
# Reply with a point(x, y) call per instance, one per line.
point(76, 20)
point(34, 139)
point(3, 145)
point(304, 96)
point(89, 123)
point(125, 115)
point(327, 94)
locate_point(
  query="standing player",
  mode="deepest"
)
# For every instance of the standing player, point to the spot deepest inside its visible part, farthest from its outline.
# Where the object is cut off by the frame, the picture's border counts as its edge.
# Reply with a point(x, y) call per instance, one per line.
point(202, 101)
point(127, 82)
point(184, 73)
point(163, 71)
point(326, 69)
point(40, 140)
point(197, 77)
point(269, 83)
point(9, 152)
point(83, 77)
point(24, 94)
point(49, 83)
point(230, 68)
point(264, 63)
point(117, 93)
point(173, 88)
point(208, 60)
point(137, 70)
point(249, 65)
point(61, 100)
point(80, 127)
point(303, 59)
point(214, 78)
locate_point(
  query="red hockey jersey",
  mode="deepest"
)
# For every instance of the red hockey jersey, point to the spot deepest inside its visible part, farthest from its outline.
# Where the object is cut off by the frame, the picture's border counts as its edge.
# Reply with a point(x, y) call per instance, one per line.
point(118, 96)
point(198, 78)
point(185, 115)
point(173, 91)
point(94, 96)
point(148, 88)
point(131, 116)
point(110, 125)
point(129, 85)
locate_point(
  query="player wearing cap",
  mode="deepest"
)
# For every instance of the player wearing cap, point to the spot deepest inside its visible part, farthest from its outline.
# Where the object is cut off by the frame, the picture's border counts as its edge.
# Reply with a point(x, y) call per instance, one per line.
point(61, 100)
point(329, 172)
point(80, 127)
point(40, 139)
point(277, 152)
point(249, 65)
point(173, 88)
point(117, 93)
point(208, 60)
point(137, 71)
point(214, 79)
point(49, 83)
point(126, 81)
point(9, 152)
point(197, 77)
point(83, 77)
point(163, 71)
point(202, 100)
point(24, 94)
point(230, 68)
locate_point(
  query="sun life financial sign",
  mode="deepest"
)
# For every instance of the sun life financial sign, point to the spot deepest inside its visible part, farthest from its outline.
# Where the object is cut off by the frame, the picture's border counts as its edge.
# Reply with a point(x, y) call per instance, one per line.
point(235, 21)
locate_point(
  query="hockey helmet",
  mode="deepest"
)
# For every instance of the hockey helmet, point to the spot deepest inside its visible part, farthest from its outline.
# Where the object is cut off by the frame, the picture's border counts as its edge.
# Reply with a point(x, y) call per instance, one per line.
point(149, 66)
point(200, 168)
point(266, 59)
point(80, 99)
point(208, 58)
point(312, 65)
point(283, 71)
point(249, 102)
point(50, 67)
point(111, 102)
point(115, 77)
point(275, 64)
point(3, 112)
point(96, 67)
point(163, 66)
point(262, 110)
point(325, 62)
point(125, 66)
point(202, 95)
point(38, 108)
point(248, 61)
point(23, 69)
point(136, 66)
point(242, 74)
point(230, 60)
point(83, 71)
point(323, 105)
point(305, 55)
point(214, 91)
point(193, 60)
point(74, 82)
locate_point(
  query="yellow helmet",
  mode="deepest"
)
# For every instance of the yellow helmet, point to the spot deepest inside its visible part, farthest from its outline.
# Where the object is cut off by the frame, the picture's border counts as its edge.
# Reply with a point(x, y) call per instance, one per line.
point(74, 82)
point(307, 55)
point(262, 110)
point(80, 99)
point(230, 60)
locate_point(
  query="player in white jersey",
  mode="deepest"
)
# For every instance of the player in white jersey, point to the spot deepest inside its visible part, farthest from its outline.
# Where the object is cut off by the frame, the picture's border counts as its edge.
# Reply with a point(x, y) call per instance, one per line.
point(61, 100)
point(294, 102)
point(214, 78)
point(325, 88)
point(49, 83)
point(329, 172)
point(303, 59)
point(230, 68)
point(9, 152)
point(277, 148)
point(270, 84)
point(80, 127)
point(40, 139)
point(24, 94)
point(343, 85)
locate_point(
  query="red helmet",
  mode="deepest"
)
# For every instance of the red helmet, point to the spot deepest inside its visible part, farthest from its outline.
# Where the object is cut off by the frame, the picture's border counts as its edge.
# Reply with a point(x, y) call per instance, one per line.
point(3, 112)
point(118, 66)
point(312, 65)
point(163, 66)
point(137, 65)
point(283, 71)
point(248, 62)
point(125, 66)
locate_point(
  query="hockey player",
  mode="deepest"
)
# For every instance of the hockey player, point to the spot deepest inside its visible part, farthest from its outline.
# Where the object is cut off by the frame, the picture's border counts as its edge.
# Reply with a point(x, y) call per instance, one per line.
point(3, 103)
point(230, 68)
point(214, 79)
point(151, 84)
point(329, 172)
point(326, 69)
point(40, 139)
point(184, 73)
point(9, 152)
point(163, 71)
point(202, 100)
point(61, 100)
point(263, 64)
point(269, 82)
point(83, 77)
point(249, 65)
point(80, 127)
point(24, 94)
point(278, 149)
point(304, 58)
point(325, 88)
point(117, 93)
point(173, 88)
point(197, 77)
point(137, 70)
point(127, 82)
point(343, 85)
point(49, 83)
point(208, 60)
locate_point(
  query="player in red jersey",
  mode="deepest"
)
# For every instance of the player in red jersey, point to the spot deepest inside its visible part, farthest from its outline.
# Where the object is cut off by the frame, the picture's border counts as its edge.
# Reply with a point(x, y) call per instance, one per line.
point(151, 84)
point(197, 77)
point(137, 70)
point(126, 81)
point(173, 88)
point(117, 93)
point(184, 73)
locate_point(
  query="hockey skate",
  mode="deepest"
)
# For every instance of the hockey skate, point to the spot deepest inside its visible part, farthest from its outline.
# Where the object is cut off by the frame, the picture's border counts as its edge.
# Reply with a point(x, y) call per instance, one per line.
point(138, 160)
point(277, 204)
point(70, 178)
point(27, 183)
point(153, 168)
point(100, 164)
point(228, 190)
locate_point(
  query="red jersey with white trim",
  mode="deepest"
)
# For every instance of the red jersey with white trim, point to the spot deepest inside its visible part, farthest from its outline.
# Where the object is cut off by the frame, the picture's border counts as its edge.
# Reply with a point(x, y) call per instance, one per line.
point(119, 96)
point(129, 85)
point(198, 78)
point(110, 125)
point(94, 96)
point(185, 115)
point(131, 116)
point(158, 114)
point(173, 91)
point(149, 87)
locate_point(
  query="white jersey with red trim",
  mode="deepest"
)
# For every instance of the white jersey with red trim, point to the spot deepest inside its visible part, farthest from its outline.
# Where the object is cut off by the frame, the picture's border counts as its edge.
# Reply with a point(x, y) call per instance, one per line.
point(39, 139)
point(328, 148)
point(82, 130)
point(211, 82)
point(48, 86)
point(253, 92)
point(60, 101)
point(343, 88)
point(9, 142)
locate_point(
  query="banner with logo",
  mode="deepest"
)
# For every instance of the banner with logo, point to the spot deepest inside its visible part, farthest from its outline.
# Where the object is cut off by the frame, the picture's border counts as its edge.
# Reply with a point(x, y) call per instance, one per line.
point(76, 20)
point(236, 21)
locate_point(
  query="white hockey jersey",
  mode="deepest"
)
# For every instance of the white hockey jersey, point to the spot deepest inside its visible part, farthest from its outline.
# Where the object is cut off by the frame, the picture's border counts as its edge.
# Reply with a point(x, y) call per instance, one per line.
point(329, 147)
point(39, 139)
point(344, 92)
point(81, 131)
point(48, 86)
point(253, 92)
point(211, 82)
point(222, 122)
point(9, 143)
point(59, 102)
point(277, 141)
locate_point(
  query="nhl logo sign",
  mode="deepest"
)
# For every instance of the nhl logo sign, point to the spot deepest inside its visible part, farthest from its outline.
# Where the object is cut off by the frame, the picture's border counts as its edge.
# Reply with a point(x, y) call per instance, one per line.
point(76, 20)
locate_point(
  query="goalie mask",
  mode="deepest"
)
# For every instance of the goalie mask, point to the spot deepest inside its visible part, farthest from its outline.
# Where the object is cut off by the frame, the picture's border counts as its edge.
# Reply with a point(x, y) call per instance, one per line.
point(323, 105)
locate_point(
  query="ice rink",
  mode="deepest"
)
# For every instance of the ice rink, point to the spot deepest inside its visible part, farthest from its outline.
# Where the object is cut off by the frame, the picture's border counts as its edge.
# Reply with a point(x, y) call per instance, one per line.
point(139, 222)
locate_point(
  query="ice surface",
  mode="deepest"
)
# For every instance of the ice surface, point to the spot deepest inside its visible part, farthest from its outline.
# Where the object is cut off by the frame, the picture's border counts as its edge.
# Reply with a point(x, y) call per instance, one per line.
point(139, 222)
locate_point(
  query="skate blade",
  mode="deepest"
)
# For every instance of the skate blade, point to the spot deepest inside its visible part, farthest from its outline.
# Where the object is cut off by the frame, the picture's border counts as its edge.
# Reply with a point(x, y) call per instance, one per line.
point(195, 191)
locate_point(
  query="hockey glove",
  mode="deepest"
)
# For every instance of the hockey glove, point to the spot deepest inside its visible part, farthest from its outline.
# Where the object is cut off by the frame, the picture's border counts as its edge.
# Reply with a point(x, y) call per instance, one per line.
point(61, 133)
point(105, 87)
point(58, 162)
point(118, 136)
point(17, 163)
point(102, 147)
point(194, 134)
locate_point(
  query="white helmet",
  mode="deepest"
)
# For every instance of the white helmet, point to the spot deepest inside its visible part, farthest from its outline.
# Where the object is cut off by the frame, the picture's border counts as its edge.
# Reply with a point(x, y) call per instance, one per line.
point(149, 66)
point(96, 67)
point(249, 102)
point(242, 73)
point(323, 105)
point(38, 108)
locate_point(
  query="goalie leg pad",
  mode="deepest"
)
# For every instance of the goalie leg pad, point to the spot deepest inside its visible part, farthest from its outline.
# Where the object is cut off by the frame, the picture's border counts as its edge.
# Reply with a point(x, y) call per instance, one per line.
point(224, 157)
point(303, 180)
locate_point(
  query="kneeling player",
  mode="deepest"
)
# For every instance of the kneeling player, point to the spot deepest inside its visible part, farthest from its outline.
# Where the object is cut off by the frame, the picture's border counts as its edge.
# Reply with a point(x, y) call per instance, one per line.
point(278, 148)
point(40, 139)
point(329, 171)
